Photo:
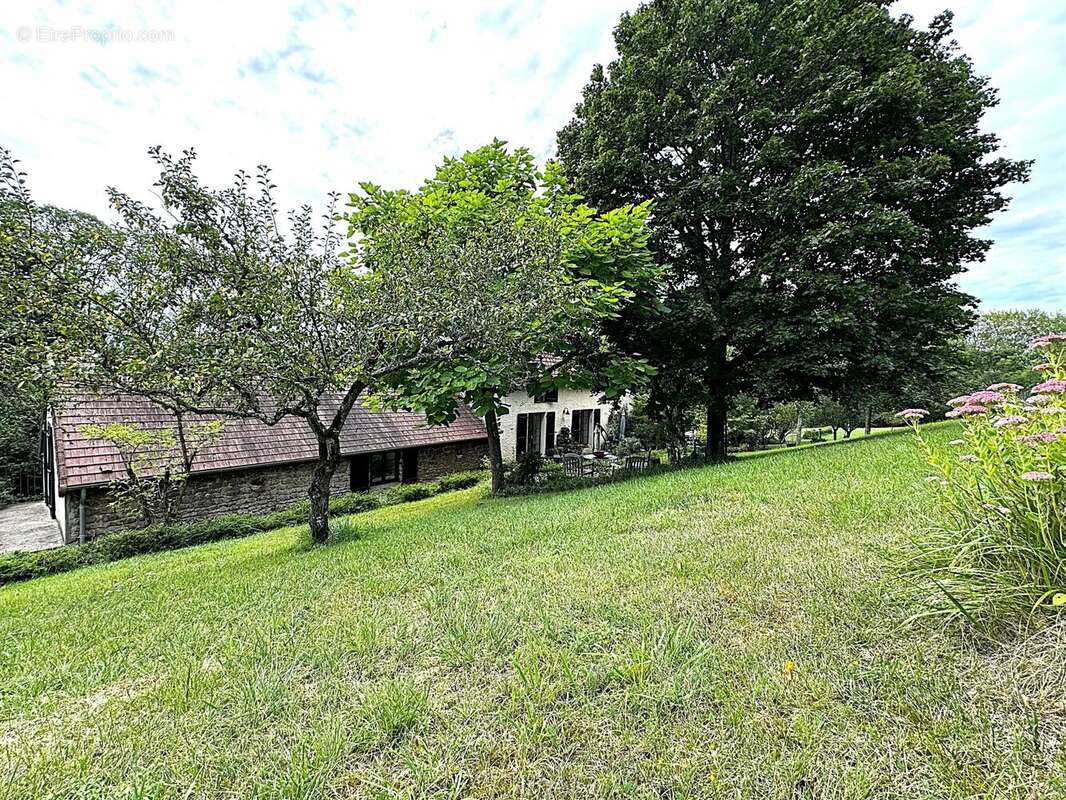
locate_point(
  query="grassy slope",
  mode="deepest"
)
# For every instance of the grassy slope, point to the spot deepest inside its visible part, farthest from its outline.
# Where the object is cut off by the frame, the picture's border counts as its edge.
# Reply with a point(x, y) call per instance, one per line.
point(627, 641)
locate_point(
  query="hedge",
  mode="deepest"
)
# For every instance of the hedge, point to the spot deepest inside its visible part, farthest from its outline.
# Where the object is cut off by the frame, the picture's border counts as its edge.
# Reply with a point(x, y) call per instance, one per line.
point(566, 484)
point(21, 566)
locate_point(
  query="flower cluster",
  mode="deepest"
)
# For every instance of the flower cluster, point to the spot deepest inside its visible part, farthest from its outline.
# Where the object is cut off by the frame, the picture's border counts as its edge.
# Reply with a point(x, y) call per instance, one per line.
point(912, 413)
point(1035, 445)
point(1053, 386)
point(1003, 493)
point(1048, 340)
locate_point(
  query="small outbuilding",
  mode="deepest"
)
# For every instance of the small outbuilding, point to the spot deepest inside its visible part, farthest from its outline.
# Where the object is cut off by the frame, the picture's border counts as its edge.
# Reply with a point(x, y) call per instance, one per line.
point(250, 467)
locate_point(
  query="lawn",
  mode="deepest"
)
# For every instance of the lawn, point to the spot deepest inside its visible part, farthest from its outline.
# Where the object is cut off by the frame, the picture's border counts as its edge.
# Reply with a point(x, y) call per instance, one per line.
point(717, 632)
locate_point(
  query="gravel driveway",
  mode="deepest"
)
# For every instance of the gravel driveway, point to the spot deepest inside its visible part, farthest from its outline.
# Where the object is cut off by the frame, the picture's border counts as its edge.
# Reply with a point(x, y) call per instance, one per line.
point(28, 526)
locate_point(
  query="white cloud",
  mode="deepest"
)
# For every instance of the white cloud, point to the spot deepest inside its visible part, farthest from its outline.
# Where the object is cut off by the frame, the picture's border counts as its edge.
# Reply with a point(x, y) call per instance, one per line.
point(1021, 46)
point(327, 96)
point(330, 95)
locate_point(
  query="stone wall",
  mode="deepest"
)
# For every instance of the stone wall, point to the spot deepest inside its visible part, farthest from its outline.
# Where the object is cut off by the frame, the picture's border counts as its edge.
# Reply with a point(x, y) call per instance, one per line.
point(433, 462)
point(248, 491)
point(256, 491)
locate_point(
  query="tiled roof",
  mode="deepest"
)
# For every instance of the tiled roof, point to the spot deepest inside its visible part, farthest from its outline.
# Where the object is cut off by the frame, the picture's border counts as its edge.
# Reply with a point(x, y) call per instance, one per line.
point(81, 461)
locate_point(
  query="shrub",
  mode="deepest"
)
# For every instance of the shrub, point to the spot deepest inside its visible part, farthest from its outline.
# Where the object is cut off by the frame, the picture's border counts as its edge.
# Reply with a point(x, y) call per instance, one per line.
point(628, 446)
point(524, 471)
point(559, 483)
point(552, 471)
point(998, 551)
point(124, 544)
point(460, 480)
point(409, 493)
point(355, 503)
point(7, 497)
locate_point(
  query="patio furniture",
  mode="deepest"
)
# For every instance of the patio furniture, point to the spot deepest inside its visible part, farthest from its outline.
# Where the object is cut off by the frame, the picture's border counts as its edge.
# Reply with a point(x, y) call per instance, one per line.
point(638, 463)
point(574, 466)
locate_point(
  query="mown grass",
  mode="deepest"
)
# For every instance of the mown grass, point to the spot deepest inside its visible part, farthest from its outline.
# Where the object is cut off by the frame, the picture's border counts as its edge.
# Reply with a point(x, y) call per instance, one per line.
point(716, 632)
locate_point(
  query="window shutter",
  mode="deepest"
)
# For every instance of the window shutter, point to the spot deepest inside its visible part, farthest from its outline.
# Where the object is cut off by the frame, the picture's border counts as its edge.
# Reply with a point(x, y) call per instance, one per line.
point(520, 435)
point(360, 473)
point(410, 466)
point(549, 432)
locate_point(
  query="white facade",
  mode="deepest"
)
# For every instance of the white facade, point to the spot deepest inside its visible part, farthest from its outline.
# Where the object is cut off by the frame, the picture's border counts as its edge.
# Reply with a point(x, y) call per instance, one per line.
point(541, 421)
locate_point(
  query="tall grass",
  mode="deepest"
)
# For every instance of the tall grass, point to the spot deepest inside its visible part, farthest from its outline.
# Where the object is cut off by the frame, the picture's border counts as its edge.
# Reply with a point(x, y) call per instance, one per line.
point(997, 553)
point(717, 632)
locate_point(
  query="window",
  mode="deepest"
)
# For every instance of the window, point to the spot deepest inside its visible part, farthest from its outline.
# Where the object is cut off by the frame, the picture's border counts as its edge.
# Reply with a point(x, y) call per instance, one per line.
point(581, 427)
point(529, 429)
point(547, 396)
point(384, 467)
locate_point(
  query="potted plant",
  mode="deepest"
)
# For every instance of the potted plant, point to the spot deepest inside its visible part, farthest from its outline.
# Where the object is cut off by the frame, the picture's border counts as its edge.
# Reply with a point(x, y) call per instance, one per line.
point(564, 443)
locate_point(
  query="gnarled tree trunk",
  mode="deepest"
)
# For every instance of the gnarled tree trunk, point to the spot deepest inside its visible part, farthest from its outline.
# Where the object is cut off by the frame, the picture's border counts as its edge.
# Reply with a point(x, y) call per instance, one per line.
point(329, 456)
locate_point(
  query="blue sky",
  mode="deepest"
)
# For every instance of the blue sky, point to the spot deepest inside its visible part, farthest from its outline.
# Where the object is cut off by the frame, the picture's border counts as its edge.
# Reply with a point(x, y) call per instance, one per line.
point(333, 94)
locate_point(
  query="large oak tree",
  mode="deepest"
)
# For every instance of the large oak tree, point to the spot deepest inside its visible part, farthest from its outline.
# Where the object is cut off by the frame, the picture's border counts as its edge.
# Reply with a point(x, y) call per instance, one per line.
point(818, 171)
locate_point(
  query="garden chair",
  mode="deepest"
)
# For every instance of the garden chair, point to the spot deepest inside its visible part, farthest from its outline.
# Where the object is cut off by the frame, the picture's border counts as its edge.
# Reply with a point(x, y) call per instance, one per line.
point(574, 466)
point(638, 463)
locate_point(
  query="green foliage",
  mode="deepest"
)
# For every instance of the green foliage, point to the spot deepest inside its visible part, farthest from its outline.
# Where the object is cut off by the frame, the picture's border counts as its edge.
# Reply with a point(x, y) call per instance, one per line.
point(524, 470)
point(543, 272)
point(213, 304)
point(355, 503)
point(628, 446)
point(660, 426)
point(21, 414)
point(749, 423)
point(460, 480)
point(157, 464)
point(840, 415)
point(999, 550)
point(126, 544)
point(556, 481)
point(409, 493)
point(31, 237)
point(997, 349)
point(818, 171)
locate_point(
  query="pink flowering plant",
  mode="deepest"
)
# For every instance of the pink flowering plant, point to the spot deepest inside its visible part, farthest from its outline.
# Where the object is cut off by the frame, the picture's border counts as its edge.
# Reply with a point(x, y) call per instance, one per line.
point(998, 551)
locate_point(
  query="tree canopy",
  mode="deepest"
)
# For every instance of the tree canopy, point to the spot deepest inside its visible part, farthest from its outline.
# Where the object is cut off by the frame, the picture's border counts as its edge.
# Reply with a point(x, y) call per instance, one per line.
point(213, 304)
point(37, 243)
point(548, 272)
point(818, 171)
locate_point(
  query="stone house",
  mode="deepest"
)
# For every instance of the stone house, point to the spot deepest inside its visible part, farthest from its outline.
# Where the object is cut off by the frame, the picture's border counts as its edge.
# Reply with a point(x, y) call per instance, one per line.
point(251, 467)
point(534, 422)
point(255, 468)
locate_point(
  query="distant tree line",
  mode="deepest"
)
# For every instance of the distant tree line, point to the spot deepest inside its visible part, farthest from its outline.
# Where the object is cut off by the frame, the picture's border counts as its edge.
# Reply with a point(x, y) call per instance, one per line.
point(997, 345)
